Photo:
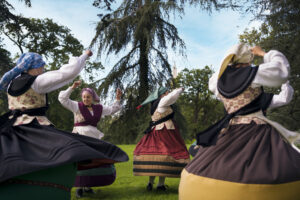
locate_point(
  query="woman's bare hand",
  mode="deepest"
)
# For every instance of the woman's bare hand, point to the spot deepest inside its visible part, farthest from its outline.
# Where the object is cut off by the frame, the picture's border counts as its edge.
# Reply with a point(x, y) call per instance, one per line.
point(257, 51)
point(76, 84)
point(118, 94)
point(89, 53)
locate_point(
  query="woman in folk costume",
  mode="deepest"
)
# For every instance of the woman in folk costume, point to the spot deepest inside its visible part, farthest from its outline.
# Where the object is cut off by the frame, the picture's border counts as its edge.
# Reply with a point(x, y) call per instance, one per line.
point(86, 116)
point(283, 98)
point(37, 161)
point(161, 152)
point(245, 155)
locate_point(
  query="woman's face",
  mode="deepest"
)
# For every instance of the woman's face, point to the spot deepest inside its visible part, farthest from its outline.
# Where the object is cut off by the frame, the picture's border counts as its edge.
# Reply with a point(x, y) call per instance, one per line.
point(87, 98)
point(36, 71)
point(164, 94)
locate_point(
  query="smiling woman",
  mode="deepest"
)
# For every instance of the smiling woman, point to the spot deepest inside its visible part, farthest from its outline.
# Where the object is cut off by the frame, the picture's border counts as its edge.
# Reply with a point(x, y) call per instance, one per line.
point(87, 114)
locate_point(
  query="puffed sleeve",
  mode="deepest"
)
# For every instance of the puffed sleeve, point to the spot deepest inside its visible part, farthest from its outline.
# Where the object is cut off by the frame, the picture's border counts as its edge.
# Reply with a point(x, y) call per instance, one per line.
point(64, 99)
point(170, 98)
point(55, 79)
point(110, 110)
point(212, 84)
point(274, 71)
point(284, 97)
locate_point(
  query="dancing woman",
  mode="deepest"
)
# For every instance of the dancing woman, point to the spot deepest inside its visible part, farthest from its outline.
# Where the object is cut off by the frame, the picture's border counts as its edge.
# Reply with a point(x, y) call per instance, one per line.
point(87, 114)
point(37, 161)
point(283, 98)
point(245, 155)
point(161, 152)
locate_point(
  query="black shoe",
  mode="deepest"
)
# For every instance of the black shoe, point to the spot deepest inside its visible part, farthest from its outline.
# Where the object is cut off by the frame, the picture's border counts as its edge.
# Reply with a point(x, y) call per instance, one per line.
point(161, 188)
point(89, 190)
point(149, 186)
point(79, 193)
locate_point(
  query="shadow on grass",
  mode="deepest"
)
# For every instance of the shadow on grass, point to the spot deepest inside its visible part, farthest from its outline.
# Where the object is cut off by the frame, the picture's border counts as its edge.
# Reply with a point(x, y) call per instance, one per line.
point(130, 193)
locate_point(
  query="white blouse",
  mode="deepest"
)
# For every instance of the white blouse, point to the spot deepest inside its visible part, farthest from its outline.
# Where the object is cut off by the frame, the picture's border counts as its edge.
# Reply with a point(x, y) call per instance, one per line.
point(284, 97)
point(91, 131)
point(52, 80)
point(168, 100)
point(272, 73)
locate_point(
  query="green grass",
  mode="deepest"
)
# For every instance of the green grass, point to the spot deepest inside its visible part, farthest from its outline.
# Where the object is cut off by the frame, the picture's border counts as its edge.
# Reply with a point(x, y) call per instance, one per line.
point(127, 186)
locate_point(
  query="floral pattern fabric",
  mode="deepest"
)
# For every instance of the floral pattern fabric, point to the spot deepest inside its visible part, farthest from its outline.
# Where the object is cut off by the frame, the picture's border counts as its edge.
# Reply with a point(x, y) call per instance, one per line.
point(29, 100)
point(234, 104)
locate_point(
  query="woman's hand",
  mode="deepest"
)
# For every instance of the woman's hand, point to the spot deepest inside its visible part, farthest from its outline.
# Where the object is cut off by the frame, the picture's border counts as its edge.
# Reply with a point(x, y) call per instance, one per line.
point(118, 94)
point(257, 51)
point(76, 84)
point(89, 53)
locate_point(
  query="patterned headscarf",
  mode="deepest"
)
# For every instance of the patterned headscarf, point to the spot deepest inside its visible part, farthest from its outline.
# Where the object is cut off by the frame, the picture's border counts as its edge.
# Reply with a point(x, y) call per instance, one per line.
point(25, 62)
point(92, 92)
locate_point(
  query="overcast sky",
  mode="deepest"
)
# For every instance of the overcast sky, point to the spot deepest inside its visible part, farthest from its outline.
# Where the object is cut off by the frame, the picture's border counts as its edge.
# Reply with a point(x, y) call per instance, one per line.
point(207, 37)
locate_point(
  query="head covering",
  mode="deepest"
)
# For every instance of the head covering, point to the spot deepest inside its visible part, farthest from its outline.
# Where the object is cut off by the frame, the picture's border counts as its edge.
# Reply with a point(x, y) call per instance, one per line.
point(92, 92)
point(240, 53)
point(26, 62)
point(153, 96)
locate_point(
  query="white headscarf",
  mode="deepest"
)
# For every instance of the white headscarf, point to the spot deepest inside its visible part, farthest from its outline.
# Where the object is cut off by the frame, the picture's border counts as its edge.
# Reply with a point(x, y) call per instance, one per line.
point(240, 53)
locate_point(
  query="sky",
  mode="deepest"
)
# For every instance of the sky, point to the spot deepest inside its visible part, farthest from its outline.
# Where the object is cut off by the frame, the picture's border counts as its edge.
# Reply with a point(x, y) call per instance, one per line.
point(207, 36)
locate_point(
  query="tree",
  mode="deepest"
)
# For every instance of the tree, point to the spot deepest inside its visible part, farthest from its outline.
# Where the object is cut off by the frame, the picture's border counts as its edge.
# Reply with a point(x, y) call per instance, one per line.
point(5, 10)
point(199, 107)
point(5, 64)
point(5, 57)
point(144, 26)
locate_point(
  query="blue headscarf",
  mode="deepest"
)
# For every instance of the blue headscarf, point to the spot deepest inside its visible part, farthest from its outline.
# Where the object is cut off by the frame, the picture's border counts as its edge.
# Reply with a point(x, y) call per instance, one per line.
point(25, 62)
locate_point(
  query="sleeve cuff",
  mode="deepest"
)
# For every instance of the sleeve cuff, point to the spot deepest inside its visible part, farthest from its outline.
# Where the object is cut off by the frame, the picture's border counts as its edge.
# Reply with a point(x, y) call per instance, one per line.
point(84, 56)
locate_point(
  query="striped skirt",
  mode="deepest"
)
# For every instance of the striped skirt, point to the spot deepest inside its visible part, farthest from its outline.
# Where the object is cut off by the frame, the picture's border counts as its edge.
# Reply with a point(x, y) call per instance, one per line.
point(249, 161)
point(160, 153)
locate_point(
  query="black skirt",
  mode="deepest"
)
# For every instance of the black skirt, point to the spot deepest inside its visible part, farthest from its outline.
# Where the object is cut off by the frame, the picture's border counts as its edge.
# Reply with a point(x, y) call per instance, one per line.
point(249, 161)
point(33, 147)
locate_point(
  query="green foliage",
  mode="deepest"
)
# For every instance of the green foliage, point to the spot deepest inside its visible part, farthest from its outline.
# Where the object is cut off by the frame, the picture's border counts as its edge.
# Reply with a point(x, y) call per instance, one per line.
point(5, 10)
point(45, 37)
point(199, 107)
point(5, 57)
point(280, 30)
point(5, 65)
point(129, 125)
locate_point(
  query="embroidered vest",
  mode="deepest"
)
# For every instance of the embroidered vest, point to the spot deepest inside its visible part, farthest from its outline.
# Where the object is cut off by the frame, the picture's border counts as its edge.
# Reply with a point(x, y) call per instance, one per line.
point(234, 104)
point(28, 100)
point(157, 116)
point(84, 116)
point(23, 98)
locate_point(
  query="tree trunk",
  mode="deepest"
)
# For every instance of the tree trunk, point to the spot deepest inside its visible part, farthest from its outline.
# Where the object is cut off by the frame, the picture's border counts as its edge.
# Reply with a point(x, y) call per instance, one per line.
point(144, 70)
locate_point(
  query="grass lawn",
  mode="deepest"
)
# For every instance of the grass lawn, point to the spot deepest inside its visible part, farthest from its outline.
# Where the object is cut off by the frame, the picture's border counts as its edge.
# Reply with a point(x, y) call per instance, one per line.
point(127, 186)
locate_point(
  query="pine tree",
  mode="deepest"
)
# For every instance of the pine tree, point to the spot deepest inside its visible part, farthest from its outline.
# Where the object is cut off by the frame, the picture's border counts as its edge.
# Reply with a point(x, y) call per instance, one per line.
point(144, 26)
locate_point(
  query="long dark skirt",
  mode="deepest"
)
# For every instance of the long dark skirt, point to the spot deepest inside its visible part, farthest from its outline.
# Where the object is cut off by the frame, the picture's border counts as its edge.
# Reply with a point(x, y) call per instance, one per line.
point(33, 147)
point(249, 161)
